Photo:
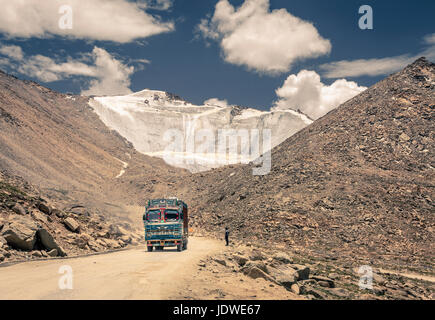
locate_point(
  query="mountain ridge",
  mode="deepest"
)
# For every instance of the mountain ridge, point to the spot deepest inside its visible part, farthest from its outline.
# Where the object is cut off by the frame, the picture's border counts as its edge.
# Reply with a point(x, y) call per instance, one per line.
point(356, 184)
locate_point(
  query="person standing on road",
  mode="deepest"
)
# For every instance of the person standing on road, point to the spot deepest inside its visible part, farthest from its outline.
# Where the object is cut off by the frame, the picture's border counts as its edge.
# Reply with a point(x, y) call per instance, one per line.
point(227, 235)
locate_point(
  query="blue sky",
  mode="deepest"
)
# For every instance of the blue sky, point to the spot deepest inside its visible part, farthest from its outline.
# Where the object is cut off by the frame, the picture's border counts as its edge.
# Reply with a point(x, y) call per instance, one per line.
point(195, 64)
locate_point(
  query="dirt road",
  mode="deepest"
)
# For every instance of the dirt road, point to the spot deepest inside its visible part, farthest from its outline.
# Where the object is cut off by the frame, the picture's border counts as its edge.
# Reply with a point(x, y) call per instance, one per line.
point(130, 274)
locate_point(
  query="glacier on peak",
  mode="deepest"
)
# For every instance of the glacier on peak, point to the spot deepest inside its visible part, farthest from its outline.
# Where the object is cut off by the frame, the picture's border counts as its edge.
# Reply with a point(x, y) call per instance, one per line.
point(154, 120)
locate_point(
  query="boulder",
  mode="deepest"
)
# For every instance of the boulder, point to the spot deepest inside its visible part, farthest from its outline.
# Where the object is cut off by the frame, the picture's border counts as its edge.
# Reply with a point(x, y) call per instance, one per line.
point(339, 292)
point(53, 253)
point(380, 291)
point(303, 271)
point(241, 260)
point(281, 257)
point(257, 255)
point(102, 234)
point(58, 213)
point(117, 231)
point(258, 264)
point(324, 282)
point(18, 209)
point(20, 233)
point(37, 254)
point(220, 261)
point(101, 242)
point(316, 293)
point(79, 210)
point(378, 279)
point(94, 246)
point(44, 208)
point(86, 237)
point(49, 242)
point(72, 224)
point(2, 257)
point(126, 239)
point(334, 276)
point(111, 243)
point(37, 215)
point(254, 273)
point(295, 288)
point(82, 241)
point(285, 276)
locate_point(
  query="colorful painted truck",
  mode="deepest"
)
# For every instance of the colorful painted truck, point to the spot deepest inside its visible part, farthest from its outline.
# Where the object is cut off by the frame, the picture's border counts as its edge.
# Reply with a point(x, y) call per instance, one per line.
point(166, 224)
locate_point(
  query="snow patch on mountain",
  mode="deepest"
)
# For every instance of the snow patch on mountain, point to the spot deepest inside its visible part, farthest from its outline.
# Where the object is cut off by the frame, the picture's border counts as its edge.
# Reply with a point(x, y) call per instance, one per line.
point(149, 119)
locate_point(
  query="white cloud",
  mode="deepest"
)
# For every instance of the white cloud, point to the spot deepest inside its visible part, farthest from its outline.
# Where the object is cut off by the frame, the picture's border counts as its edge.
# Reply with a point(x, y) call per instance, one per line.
point(113, 20)
point(376, 67)
point(112, 76)
point(142, 61)
point(108, 75)
point(155, 4)
point(48, 70)
point(365, 67)
point(14, 52)
point(262, 40)
point(306, 92)
point(216, 102)
point(430, 39)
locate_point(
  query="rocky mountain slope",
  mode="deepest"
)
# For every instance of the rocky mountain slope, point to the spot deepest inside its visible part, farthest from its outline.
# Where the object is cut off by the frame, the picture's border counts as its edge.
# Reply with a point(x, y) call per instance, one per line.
point(275, 267)
point(58, 143)
point(146, 119)
point(32, 227)
point(357, 185)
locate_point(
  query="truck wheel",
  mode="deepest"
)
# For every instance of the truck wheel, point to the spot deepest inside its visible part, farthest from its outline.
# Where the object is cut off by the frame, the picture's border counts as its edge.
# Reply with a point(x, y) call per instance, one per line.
point(185, 246)
point(150, 248)
point(179, 247)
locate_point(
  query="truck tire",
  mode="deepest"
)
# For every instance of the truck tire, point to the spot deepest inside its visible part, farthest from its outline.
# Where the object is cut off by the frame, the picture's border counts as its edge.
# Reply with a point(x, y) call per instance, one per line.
point(150, 249)
point(185, 246)
point(179, 247)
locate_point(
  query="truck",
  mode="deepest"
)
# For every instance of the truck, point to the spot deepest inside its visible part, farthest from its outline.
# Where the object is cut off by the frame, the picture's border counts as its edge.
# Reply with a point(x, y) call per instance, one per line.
point(166, 224)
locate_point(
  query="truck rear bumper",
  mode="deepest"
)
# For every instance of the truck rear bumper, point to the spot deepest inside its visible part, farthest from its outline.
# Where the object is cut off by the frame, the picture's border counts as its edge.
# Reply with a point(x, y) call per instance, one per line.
point(164, 243)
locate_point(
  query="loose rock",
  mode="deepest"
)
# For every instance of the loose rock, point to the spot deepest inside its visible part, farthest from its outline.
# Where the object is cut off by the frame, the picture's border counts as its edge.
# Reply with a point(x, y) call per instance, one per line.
point(18, 209)
point(21, 233)
point(72, 224)
point(52, 253)
point(49, 242)
point(44, 208)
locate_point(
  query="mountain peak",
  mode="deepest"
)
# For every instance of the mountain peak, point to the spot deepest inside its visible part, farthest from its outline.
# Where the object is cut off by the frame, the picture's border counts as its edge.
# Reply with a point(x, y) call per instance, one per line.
point(422, 61)
point(420, 66)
